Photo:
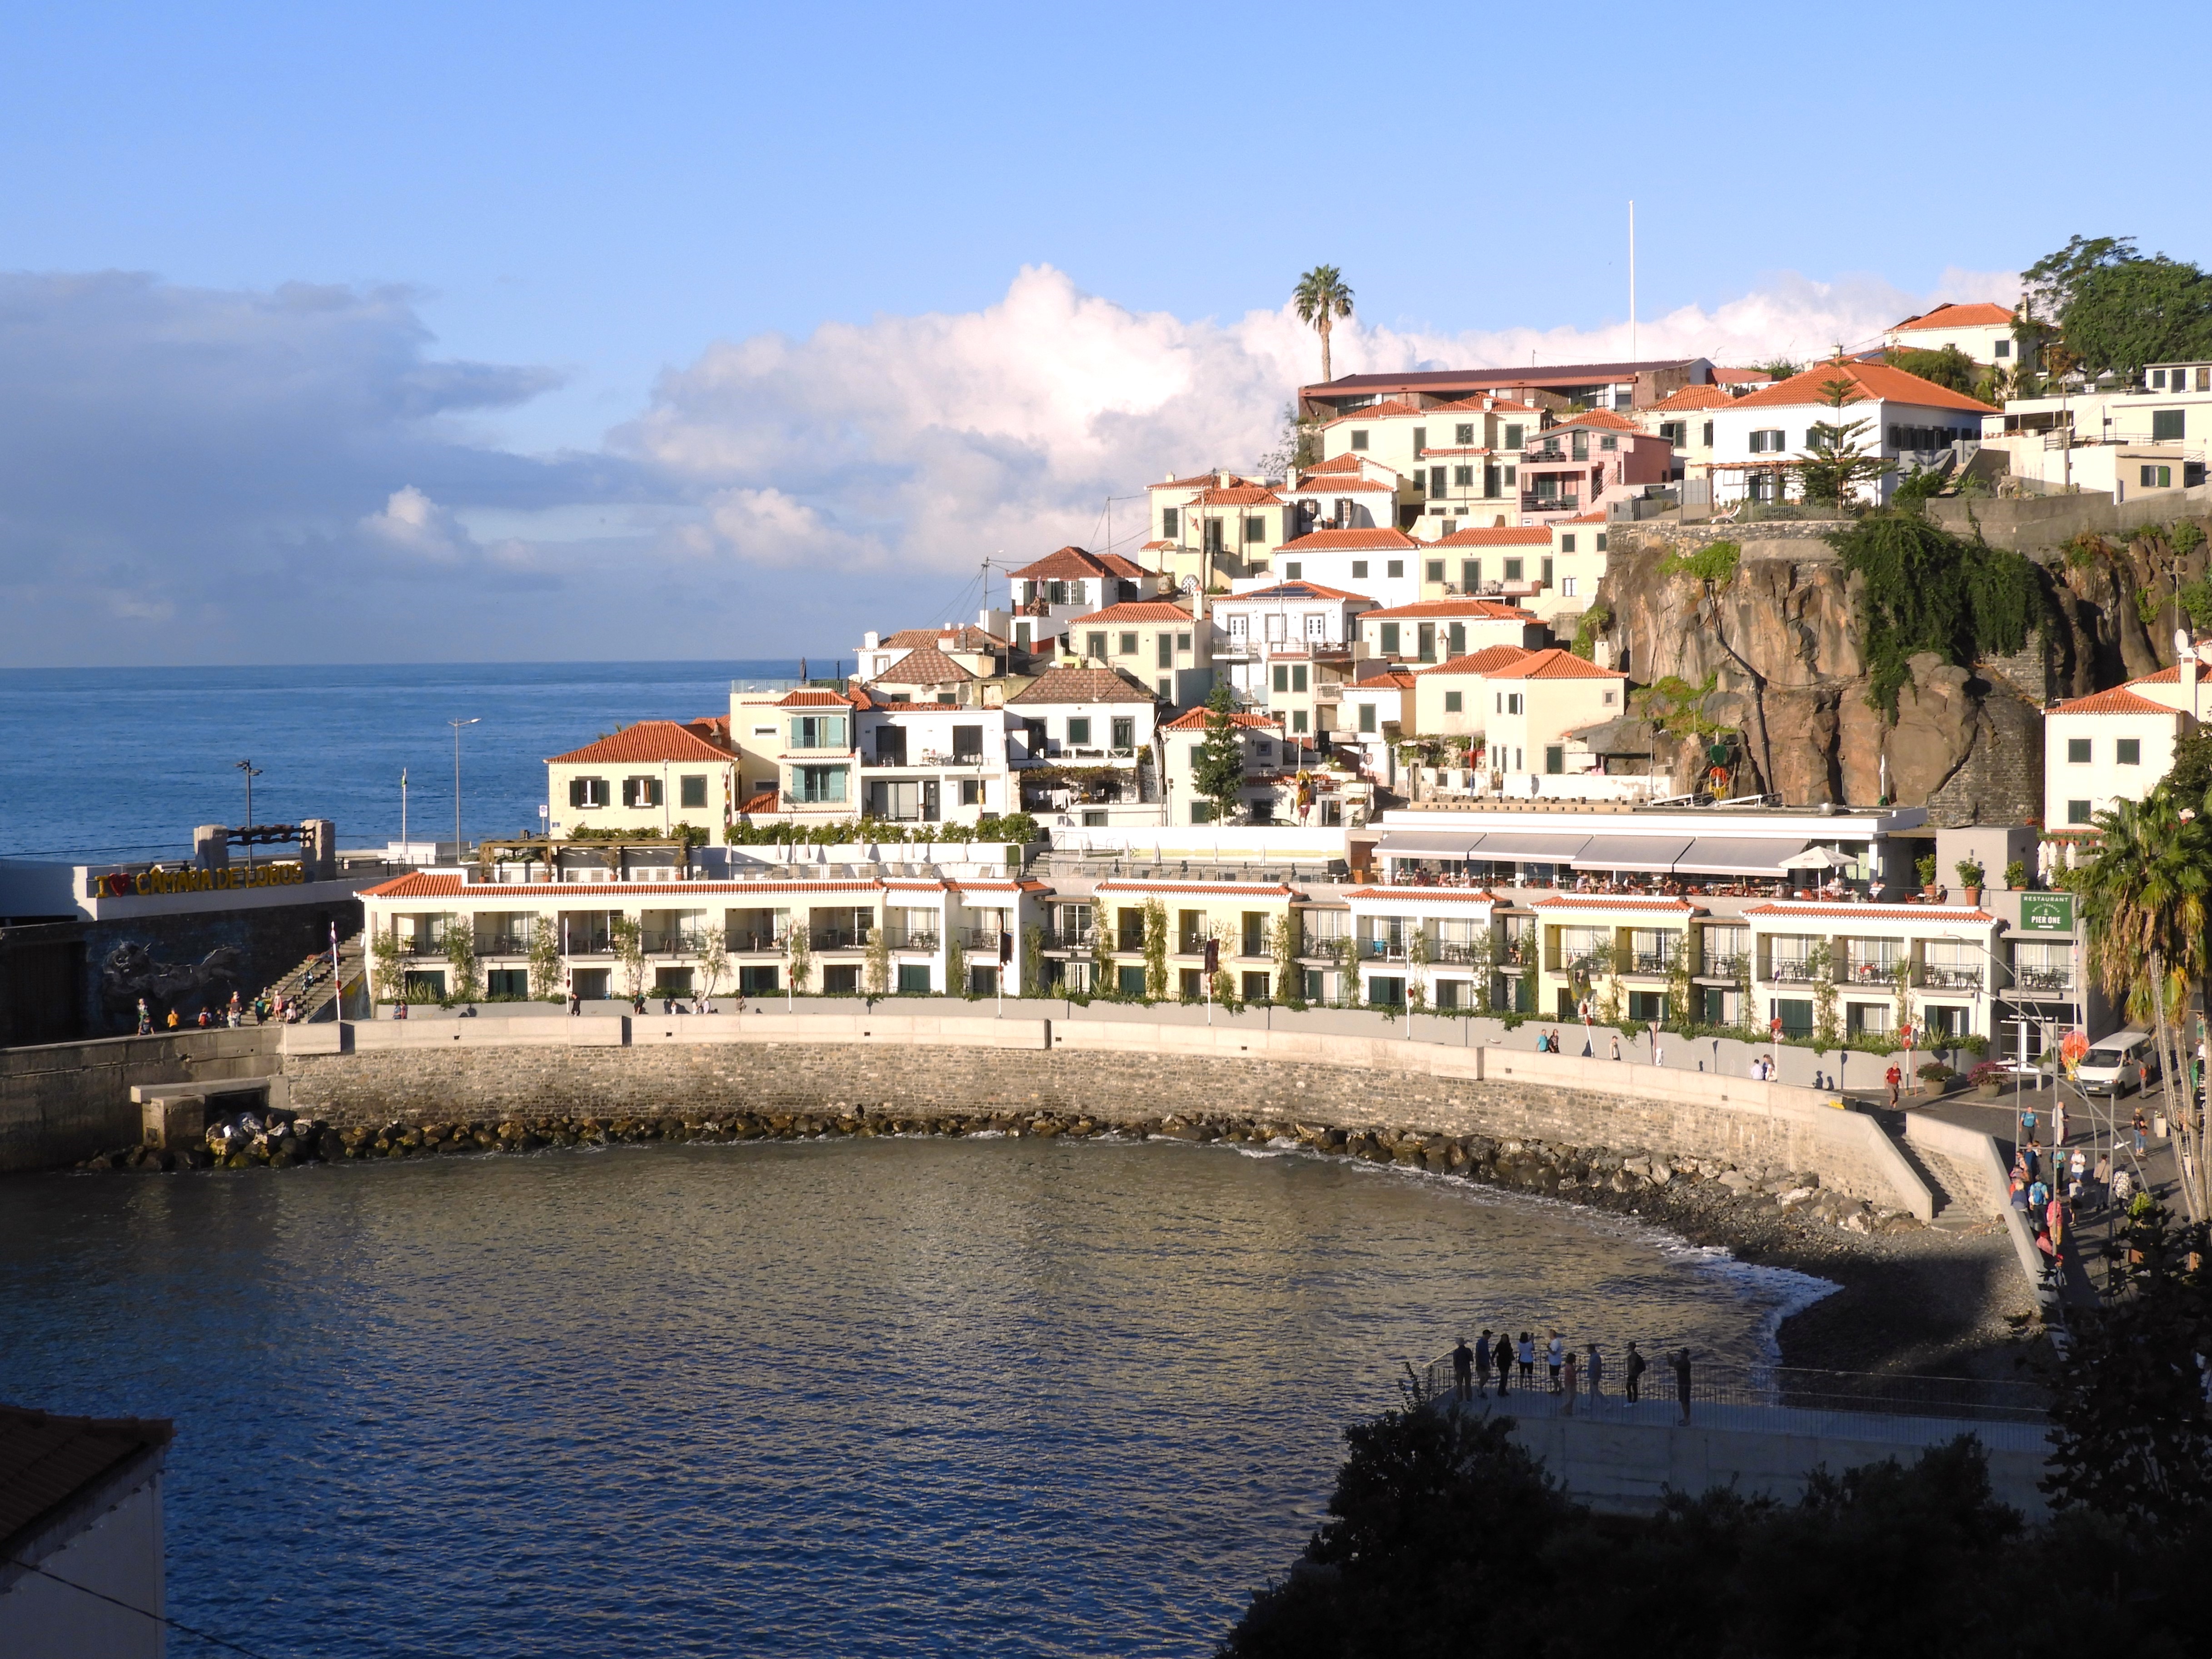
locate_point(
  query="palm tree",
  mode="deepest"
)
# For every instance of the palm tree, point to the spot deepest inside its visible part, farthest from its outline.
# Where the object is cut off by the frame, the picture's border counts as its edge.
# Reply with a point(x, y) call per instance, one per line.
point(1321, 298)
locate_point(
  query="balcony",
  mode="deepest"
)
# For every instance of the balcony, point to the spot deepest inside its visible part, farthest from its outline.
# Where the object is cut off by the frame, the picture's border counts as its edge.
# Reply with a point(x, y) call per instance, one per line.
point(503, 944)
point(1647, 965)
point(752, 944)
point(1532, 503)
point(927, 758)
point(2045, 981)
point(925, 943)
point(840, 939)
point(1453, 952)
point(1722, 965)
point(1867, 970)
point(1790, 970)
point(1382, 949)
point(1078, 940)
point(981, 939)
point(1950, 977)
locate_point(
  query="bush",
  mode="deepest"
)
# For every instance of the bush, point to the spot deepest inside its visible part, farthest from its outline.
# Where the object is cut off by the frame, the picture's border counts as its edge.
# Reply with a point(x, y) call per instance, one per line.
point(2016, 874)
point(1988, 1070)
point(1936, 1071)
point(1926, 865)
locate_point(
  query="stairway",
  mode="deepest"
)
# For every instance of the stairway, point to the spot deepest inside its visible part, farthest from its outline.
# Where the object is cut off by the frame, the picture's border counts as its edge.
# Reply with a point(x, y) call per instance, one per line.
point(310, 983)
point(1952, 1188)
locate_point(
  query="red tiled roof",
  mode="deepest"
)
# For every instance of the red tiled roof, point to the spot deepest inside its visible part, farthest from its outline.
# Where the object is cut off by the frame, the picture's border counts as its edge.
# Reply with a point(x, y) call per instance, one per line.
point(1439, 449)
point(1611, 902)
point(1497, 405)
point(1485, 609)
point(1195, 720)
point(1601, 417)
point(1870, 912)
point(1299, 589)
point(1533, 535)
point(1869, 380)
point(1461, 895)
point(1254, 890)
point(966, 637)
point(925, 666)
point(1393, 679)
point(1555, 665)
point(1487, 660)
point(419, 884)
point(1350, 540)
point(1340, 486)
point(763, 802)
point(1382, 411)
point(1140, 610)
point(647, 741)
point(2118, 701)
point(810, 697)
point(1975, 313)
point(1075, 561)
point(1350, 461)
point(1198, 481)
point(1064, 685)
point(1239, 495)
point(1695, 397)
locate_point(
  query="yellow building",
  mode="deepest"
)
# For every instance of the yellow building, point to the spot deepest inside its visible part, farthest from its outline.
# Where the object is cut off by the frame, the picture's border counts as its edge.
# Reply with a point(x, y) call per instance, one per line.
point(644, 779)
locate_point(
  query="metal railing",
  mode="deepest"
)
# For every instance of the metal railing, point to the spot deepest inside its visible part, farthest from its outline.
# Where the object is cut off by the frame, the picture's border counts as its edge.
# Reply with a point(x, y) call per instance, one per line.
point(1648, 964)
point(503, 944)
point(1790, 971)
point(915, 941)
point(1722, 965)
point(1078, 940)
point(1867, 970)
point(1947, 978)
point(753, 944)
point(2060, 980)
point(840, 939)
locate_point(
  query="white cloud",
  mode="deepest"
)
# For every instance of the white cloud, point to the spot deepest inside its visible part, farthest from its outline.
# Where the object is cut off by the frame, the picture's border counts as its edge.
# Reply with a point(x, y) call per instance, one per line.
point(410, 522)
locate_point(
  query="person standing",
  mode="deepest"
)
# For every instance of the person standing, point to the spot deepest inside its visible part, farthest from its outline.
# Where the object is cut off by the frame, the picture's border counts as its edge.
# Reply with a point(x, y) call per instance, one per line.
point(1555, 1354)
point(1502, 1354)
point(1526, 1356)
point(575, 1002)
point(1463, 1372)
point(2141, 1129)
point(1682, 1383)
point(1893, 1076)
point(1632, 1373)
point(145, 1019)
point(1658, 1058)
point(1568, 1380)
point(1616, 1047)
point(1482, 1365)
point(2058, 1125)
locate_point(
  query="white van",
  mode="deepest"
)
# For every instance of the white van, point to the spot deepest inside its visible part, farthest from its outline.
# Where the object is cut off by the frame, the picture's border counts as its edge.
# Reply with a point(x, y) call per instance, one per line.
point(2119, 1063)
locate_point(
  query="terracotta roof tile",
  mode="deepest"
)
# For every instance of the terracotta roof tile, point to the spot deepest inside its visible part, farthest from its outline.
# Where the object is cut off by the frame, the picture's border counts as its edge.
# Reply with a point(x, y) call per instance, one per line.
point(2118, 701)
point(1239, 495)
point(1609, 419)
point(1488, 660)
point(1136, 610)
point(1072, 685)
point(1350, 540)
point(1300, 589)
point(1426, 894)
point(1252, 889)
point(1195, 720)
point(1389, 409)
point(1555, 665)
point(1694, 396)
point(1349, 461)
point(1481, 610)
point(966, 637)
point(811, 697)
point(645, 741)
point(1871, 912)
point(926, 666)
point(1869, 380)
point(1339, 486)
point(1198, 481)
point(1527, 535)
point(1975, 313)
point(763, 802)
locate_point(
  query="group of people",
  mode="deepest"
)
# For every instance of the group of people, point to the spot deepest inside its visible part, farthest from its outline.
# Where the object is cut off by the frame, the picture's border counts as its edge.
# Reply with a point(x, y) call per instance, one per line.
point(1568, 1376)
point(284, 1010)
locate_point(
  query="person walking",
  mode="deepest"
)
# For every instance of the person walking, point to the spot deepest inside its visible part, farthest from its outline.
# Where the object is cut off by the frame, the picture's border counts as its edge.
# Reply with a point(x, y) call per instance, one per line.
point(1503, 1355)
point(1555, 1353)
point(1594, 1369)
point(2141, 1130)
point(1632, 1374)
point(1526, 1354)
point(145, 1019)
point(1657, 1057)
point(1463, 1372)
point(1682, 1383)
point(1893, 1076)
point(575, 1002)
point(2058, 1125)
point(1482, 1365)
point(1568, 1380)
point(1616, 1047)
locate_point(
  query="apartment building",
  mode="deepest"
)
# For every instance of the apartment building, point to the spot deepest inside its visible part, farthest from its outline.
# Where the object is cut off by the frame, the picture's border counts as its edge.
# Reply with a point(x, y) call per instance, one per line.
point(1280, 644)
point(2145, 437)
point(930, 761)
point(1501, 562)
point(1166, 644)
point(1371, 715)
point(1087, 747)
point(1761, 440)
point(644, 779)
point(1981, 331)
point(1537, 705)
point(2113, 745)
point(1381, 564)
point(1581, 463)
point(1886, 967)
point(1239, 919)
point(1357, 497)
point(1621, 385)
point(1684, 422)
point(1224, 533)
point(1434, 631)
point(1274, 758)
point(982, 649)
point(1422, 947)
point(1046, 595)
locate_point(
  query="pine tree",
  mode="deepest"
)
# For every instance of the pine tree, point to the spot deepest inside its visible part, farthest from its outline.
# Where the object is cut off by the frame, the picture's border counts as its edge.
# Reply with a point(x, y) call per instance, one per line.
point(1217, 765)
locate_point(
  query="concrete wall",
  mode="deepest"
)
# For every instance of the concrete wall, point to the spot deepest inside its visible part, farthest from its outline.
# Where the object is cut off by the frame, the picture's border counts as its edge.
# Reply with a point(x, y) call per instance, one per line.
point(65, 1101)
point(2047, 521)
point(120, 1556)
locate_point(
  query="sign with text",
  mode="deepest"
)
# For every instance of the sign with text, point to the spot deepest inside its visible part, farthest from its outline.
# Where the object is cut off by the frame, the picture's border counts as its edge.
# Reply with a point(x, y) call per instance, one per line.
point(2047, 913)
point(146, 883)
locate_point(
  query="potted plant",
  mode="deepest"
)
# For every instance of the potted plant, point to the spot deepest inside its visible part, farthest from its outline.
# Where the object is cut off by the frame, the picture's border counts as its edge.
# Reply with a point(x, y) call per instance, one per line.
point(1988, 1078)
point(2016, 875)
point(1970, 878)
point(1926, 867)
point(1934, 1075)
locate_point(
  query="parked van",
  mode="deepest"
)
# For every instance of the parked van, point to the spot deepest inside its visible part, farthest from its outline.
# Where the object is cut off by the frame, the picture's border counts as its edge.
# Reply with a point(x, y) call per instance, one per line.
point(2119, 1063)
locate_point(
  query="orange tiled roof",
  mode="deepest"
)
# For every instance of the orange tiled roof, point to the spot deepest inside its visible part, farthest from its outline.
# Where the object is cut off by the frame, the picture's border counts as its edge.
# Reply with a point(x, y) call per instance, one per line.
point(1530, 534)
point(1353, 541)
point(1239, 495)
point(648, 740)
point(1080, 685)
point(1694, 396)
point(1299, 589)
point(1611, 902)
point(926, 666)
point(1195, 720)
point(810, 698)
point(2118, 701)
point(1198, 481)
point(1076, 562)
point(1129, 610)
point(1385, 411)
point(763, 802)
point(421, 884)
point(1975, 313)
point(1254, 890)
point(1350, 461)
point(1488, 660)
point(1609, 419)
point(1555, 665)
point(1393, 679)
point(1426, 894)
point(966, 637)
point(1339, 486)
point(1486, 609)
point(1869, 380)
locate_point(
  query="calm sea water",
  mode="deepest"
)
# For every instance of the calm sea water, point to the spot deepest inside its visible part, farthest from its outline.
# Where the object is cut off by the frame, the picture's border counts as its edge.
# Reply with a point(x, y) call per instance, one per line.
point(980, 1397)
point(123, 762)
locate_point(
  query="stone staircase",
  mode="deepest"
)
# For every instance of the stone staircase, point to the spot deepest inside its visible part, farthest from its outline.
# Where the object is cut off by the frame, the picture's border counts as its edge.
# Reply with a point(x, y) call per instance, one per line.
point(1952, 1188)
point(310, 984)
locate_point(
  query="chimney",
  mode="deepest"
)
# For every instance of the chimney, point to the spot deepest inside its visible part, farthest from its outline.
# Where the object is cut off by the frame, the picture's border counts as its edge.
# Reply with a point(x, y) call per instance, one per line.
point(1227, 479)
point(870, 641)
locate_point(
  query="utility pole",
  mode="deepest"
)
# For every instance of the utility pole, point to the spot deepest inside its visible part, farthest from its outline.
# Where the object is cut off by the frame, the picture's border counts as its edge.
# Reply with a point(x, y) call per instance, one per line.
point(456, 725)
point(403, 811)
point(252, 772)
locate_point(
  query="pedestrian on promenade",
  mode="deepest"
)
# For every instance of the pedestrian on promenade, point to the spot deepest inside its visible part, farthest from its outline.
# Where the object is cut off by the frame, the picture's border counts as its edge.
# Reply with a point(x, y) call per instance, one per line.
point(1526, 1354)
point(1595, 1370)
point(172, 1019)
point(145, 1019)
point(1893, 1076)
point(2028, 1124)
point(2124, 1187)
point(1502, 1358)
point(2141, 1133)
point(1682, 1383)
point(1567, 1377)
point(1632, 1373)
point(1482, 1365)
point(2058, 1125)
point(1554, 1352)
point(1616, 1047)
point(1463, 1371)
point(2077, 1167)
point(1658, 1058)
point(576, 1001)
point(2100, 1178)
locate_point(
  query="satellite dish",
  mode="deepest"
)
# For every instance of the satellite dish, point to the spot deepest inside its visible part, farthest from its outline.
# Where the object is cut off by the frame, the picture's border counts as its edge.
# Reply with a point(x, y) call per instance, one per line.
point(1190, 584)
point(2183, 649)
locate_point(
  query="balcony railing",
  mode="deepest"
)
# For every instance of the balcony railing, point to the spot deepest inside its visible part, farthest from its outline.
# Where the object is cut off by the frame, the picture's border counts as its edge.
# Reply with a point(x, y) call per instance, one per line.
point(1382, 949)
point(750, 942)
point(1451, 950)
point(1722, 964)
point(2045, 981)
point(1648, 964)
point(1946, 977)
point(1078, 939)
point(1532, 503)
point(979, 939)
point(913, 940)
point(503, 944)
point(840, 939)
point(672, 945)
point(928, 757)
point(1867, 971)
point(1790, 970)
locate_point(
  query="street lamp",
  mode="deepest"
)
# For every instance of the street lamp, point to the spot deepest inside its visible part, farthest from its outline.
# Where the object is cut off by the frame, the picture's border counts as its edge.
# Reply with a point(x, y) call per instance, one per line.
point(252, 772)
point(456, 725)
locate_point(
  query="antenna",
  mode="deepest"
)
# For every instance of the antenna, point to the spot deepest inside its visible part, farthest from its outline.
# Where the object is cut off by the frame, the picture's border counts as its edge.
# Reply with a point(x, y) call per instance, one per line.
point(1632, 282)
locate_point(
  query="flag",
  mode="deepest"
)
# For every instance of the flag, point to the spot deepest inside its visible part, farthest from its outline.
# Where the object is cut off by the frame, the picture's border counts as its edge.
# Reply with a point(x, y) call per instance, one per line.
point(1005, 947)
point(1213, 956)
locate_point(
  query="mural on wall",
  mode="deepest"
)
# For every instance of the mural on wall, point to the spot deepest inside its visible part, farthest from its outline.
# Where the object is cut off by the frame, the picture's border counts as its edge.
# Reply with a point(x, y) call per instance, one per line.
point(131, 972)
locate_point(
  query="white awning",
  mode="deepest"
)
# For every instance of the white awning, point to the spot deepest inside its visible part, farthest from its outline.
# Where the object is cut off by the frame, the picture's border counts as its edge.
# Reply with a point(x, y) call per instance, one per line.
point(1528, 848)
point(1737, 855)
point(1427, 844)
point(1653, 853)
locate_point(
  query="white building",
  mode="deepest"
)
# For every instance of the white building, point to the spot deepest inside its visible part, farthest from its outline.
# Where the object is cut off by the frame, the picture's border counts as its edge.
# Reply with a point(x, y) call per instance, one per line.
point(1383, 564)
point(1761, 441)
point(1981, 331)
point(1435, 630)
point(2113, 745)
point(2133, 439)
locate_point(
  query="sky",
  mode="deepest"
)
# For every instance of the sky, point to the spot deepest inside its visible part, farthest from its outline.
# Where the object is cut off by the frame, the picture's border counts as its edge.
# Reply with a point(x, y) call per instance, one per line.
point(477, 332)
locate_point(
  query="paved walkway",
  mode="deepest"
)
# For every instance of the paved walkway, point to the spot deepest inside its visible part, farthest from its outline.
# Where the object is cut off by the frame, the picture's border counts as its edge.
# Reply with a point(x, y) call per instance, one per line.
point(1659, 1409)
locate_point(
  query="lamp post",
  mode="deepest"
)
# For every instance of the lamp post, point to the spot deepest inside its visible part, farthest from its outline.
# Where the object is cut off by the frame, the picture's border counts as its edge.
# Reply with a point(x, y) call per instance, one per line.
point(252, 772)
point(456, 725)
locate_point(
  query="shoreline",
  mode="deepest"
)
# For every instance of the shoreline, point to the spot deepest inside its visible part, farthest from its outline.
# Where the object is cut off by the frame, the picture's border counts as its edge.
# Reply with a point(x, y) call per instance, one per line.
point(1938, 1300)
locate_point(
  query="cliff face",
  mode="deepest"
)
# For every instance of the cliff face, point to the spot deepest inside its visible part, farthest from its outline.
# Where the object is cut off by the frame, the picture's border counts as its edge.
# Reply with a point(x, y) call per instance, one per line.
point(1968, 746)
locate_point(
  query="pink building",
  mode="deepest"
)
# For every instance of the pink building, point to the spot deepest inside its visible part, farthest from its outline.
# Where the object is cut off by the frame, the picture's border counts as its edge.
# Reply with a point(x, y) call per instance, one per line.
point(1574, 467)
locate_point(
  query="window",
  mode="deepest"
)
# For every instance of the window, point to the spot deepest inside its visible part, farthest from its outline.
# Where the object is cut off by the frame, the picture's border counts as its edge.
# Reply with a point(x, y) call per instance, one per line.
point(1367, 717)
point(1426, 634)
point(1511, 473)
point(1672, 431)
point(1164, 656)
point(1567, 587)
point(1470, 574)
point(1389, 639)
point(2158, 380)
point(1292, 571)
point(692, 789)
point(1297, 677)
point(1436, 481)
point(971, 792)
point(1056, 593)
point(1282, 677)
point(1297, 720)
point(2077, 812)
point(1453, 702)
point(1094, 645)
point(1255, 526)
point(1601, 541)
point(1125, 731)
point(1455, 640)
point(1169, 522)
point(1555, 758)
point(817, 732)
point(1463, 433)
point(2077, 751)
point(1512, 702)
point(1214, 535)
point(1567, 541)
point(967, 743)
point(1359, 438)
point(2169, 424)
point(587, 792)
point(1544, 572)
point(1462, 478)
point(1129, 644)
point(1078, 729)
point(1166, 690)
point(1395, 568)
point(1767, 441)
point(1358, 569)
point(1183, 644)
point(2001, 349)
point(640, 792)
point(1708, 434)
point(1434, 571)
point(1513, 570)
point(2130, 751)
point(1608, 441)
point(820, 785)
point(2158, 478)
point(1581, 446)
point(1512, 437)
point(1420, 438)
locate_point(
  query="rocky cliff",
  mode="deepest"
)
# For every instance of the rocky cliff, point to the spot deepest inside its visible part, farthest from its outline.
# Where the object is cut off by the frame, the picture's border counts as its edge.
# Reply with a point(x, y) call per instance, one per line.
point(1966, 743)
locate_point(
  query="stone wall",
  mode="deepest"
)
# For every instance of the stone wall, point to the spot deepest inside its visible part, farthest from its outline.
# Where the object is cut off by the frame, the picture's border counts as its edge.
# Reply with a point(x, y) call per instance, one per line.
point(62, 1101)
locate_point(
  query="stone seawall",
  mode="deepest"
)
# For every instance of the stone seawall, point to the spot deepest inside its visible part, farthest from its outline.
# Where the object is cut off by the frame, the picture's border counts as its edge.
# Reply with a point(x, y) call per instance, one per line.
point(61, 1102)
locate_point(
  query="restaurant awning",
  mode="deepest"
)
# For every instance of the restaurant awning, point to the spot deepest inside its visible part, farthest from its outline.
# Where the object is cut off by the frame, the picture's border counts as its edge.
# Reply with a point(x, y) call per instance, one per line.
point(1528, 848)
point(1737, 855)
point(1427, 844)
point(1650, 852)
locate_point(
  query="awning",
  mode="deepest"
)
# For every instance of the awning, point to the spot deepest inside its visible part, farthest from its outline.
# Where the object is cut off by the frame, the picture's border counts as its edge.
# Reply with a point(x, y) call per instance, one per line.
point(1427, 844)
point(1737, 855)
point(1653, 853)
point(1529, 849)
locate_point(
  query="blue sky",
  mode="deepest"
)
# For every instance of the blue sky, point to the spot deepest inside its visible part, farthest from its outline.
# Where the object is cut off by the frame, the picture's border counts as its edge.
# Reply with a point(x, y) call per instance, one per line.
point(475, 300)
